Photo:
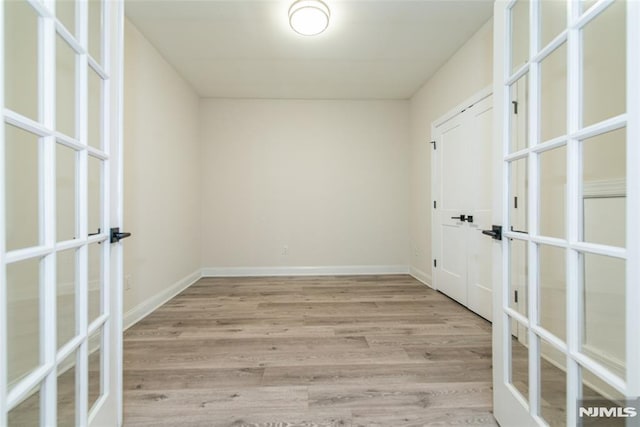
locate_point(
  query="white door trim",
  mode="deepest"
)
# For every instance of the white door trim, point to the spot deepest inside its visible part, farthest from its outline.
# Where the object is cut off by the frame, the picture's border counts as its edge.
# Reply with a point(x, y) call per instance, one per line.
point(474, 99)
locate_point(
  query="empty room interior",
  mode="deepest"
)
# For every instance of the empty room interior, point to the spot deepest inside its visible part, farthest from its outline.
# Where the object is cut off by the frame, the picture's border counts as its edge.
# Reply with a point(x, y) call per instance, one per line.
point(320, 213)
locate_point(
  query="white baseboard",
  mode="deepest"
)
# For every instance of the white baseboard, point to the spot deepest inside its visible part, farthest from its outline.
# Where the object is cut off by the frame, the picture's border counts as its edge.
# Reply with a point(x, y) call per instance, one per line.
point(145, 308)
point(421, 276)
point(342, 270)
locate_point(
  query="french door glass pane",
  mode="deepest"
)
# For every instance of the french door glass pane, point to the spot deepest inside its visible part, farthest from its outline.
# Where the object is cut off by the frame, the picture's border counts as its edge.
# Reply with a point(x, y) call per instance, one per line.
point(95, 280)
point(553, 20)
point(95, 194)
point(27, 413)
point(519, 119)
point(519, 34)
point(66, 193)
point(518, 274)
point(65, 88)
point(586, 4)
point(596, 392)
point(604, 311)
point(66, 308)
point(23, 195)
point(95, 30)
point(67, 391)
point(519, 195)
point(553, 94)
point(553, 388)
point(66, 13)
point(604, 65)
point(553, 290)
point(604, 188)
point(519, 365)
point(23, 318)
point(21, 58)
point(95, 109)
point(95, 367)
point(553, 181)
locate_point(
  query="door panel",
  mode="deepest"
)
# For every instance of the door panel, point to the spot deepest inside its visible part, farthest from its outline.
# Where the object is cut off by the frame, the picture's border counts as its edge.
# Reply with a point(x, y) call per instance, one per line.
point(454, 146)
point(479, 274)
point(452, 275)
point(569, 249)
point(59, 288)
point(462, 165)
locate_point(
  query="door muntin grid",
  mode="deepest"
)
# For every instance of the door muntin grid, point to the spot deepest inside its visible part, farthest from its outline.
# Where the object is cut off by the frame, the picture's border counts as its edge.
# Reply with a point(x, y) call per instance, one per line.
point(57, 129)
point(583, 369)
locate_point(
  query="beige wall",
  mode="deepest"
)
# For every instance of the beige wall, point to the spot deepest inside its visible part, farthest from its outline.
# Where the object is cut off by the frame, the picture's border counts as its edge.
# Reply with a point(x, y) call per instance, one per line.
point(466, 73)
point(162, 191)
point(326, 179)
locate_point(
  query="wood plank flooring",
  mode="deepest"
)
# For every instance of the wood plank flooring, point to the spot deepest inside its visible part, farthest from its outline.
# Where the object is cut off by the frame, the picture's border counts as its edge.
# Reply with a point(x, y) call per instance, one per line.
point(310, 351)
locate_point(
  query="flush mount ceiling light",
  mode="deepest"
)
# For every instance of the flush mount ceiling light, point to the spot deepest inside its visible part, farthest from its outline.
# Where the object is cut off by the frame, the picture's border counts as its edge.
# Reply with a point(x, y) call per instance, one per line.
point(309, 17)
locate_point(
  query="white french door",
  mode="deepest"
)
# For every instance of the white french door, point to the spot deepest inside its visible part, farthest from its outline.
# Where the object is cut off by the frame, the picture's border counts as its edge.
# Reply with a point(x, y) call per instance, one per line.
point(60, 195)
point(573, 68)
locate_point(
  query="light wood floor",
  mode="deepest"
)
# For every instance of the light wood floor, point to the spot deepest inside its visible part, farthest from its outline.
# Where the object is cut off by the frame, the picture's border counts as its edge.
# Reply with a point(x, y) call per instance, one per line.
point(330, 351)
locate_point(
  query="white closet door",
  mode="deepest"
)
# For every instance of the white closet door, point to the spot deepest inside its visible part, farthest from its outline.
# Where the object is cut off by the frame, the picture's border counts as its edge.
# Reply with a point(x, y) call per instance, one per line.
point(479, 184)
point(463, 202)
point(452, 159)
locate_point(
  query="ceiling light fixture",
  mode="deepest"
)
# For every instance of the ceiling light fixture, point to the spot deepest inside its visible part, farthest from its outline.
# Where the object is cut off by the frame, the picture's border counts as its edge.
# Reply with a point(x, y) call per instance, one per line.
point(309, 17)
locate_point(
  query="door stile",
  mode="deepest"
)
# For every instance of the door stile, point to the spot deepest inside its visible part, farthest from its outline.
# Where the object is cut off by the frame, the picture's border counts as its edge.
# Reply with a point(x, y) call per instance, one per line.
point(82, 380)
point(633, 199)
point(509, 406)
point(573, 213)
point(105, 371)
point(3, 234)
point(533, 191)
point(47, 168)
point(117, 203)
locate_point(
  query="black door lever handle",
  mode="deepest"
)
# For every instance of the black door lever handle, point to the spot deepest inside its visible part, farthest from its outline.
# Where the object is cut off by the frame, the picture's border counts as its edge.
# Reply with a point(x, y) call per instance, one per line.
point(462, 218)
point(495, 232)
point(116, 235)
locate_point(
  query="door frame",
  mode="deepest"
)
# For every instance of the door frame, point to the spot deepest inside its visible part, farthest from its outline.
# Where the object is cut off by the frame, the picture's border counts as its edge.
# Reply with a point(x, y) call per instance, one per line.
point(435, 170)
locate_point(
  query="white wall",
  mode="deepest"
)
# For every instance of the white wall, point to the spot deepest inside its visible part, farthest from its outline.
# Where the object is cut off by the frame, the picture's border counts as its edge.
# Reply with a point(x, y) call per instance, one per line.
point(161, 172)
point(467, 72)
point(327, 179)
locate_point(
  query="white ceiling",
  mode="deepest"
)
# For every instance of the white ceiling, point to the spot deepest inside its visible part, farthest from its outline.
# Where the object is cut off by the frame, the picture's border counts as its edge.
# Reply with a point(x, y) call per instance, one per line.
point(246, 49)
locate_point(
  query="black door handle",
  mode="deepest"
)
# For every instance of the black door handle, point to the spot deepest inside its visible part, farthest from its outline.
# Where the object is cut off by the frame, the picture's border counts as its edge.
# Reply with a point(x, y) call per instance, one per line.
point(495, 232)
point(116, 235)
point(470, 219)
point(462, 218)
point(94, 234)
point(518, 231)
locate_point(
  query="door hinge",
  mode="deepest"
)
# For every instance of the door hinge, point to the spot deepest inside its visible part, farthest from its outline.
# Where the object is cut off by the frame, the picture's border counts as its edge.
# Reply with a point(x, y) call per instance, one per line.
point(515, 296)
point(434, 204)
point(515, 107)
point(434, 144)
point(435, 262)
point(515, 202)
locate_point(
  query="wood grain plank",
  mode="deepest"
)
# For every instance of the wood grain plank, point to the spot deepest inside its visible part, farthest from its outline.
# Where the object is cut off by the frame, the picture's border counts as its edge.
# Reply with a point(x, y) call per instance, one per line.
point(308, 351)
point(410, 396)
